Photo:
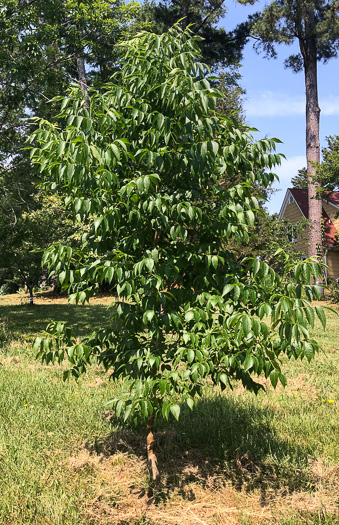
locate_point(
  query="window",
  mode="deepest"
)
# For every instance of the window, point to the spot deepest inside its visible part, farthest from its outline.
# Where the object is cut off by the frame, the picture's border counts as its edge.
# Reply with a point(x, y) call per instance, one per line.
point(290, 199)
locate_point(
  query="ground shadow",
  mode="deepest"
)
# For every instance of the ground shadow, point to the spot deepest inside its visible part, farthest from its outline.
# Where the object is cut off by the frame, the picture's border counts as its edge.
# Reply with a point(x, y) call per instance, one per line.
point(24, 320)
point(222, 441)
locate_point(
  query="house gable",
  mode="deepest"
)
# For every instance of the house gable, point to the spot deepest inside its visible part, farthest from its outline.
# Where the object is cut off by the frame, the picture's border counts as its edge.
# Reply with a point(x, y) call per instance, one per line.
point(330, 207)
point(293, 211)
point(295, 207)
point(288, 201)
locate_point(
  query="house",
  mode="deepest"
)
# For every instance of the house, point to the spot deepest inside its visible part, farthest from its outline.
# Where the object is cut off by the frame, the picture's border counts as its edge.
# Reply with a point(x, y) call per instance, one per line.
point(295, 208)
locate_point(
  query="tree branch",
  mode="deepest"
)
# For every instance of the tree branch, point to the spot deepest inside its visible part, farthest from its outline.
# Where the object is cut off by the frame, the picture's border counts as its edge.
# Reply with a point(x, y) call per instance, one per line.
point(208, 16)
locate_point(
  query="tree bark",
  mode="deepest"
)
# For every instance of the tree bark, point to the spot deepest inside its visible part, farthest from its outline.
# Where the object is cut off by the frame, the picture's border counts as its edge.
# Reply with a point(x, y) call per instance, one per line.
point(31, 300)
point(82, 78)
point(184, 14)
point(308, 48)
point(151, 456)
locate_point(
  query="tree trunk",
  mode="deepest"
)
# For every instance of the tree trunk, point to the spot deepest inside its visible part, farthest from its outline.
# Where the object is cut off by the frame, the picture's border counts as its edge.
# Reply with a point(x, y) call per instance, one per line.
point(309, 51)
point(184, 14)
point(30, 289)
point(82, 78)
point(152, 458)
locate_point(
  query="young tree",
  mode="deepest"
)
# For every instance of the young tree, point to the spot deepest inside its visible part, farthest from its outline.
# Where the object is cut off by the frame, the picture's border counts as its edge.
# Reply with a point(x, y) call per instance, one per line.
point(314, 24)
point(142, 168)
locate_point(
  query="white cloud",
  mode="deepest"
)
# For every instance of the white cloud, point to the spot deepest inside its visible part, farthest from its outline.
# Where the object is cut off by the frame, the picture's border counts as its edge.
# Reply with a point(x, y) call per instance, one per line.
point(275, 104)
point(289, 168)
point(270, 104)
point(329, 106)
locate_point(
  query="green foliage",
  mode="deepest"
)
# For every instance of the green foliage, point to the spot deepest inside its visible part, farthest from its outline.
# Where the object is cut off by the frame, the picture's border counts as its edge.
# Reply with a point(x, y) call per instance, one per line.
point(328, 171)
point(220, 50)
point(219, 47)
point(143, 169)
point(268, 235)
point(333, 292)
point(35, 231)
point(232, 94)
point(301, 180)
point(41, 42)
point(327, 174)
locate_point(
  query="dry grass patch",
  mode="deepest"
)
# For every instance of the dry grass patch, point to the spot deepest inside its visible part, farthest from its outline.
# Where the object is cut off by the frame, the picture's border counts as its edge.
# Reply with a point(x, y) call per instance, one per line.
point(203, 492)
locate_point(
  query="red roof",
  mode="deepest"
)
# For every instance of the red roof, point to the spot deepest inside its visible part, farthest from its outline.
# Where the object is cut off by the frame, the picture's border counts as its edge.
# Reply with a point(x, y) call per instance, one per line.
point(301, 198)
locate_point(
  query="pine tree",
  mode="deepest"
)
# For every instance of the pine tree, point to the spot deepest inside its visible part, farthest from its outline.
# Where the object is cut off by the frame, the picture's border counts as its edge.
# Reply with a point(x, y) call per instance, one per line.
point(314, 24)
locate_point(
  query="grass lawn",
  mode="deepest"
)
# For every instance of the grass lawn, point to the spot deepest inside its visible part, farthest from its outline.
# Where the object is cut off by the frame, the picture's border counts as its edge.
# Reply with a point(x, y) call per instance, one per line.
point(236, 459)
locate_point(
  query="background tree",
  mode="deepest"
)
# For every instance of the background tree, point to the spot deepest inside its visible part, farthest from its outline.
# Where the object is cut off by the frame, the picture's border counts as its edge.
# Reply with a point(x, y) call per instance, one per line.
point(46, 44)
point(140, 166)
point(328, 171)
point(22, 246)
point(314, 24)
point(231, 102)
point(300, 180)
point(327, 175)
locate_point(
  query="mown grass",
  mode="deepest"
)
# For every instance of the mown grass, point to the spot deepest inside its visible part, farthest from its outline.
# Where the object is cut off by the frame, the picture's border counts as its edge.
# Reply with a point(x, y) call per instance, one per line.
point(235, 459)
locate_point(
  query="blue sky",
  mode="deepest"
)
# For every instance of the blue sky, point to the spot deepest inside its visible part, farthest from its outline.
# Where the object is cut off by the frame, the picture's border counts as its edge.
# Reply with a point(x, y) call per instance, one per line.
point(275, 101)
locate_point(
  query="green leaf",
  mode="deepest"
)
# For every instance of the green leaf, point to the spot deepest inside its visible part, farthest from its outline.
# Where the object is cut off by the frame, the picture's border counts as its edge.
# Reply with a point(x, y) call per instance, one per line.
point(308, 351)
point(119, 407)
point(175, 410)
point(246, 325)
point(190, 356)
point(227, 289)
point(148, 316)
point(224, 379)
point(189, 315)
point(215, 261)
point(190, 402)
point(96, 153)
point(160, 121)
point(256, 266)
point(115, 151)
point(321, 315)
point(248, 363)
point(310, 315)
point(149, 263)
point(274, 376)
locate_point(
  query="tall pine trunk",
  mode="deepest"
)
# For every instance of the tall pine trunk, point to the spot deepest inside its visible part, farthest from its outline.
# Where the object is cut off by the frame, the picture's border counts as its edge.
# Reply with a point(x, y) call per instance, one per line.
point(308, 48)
